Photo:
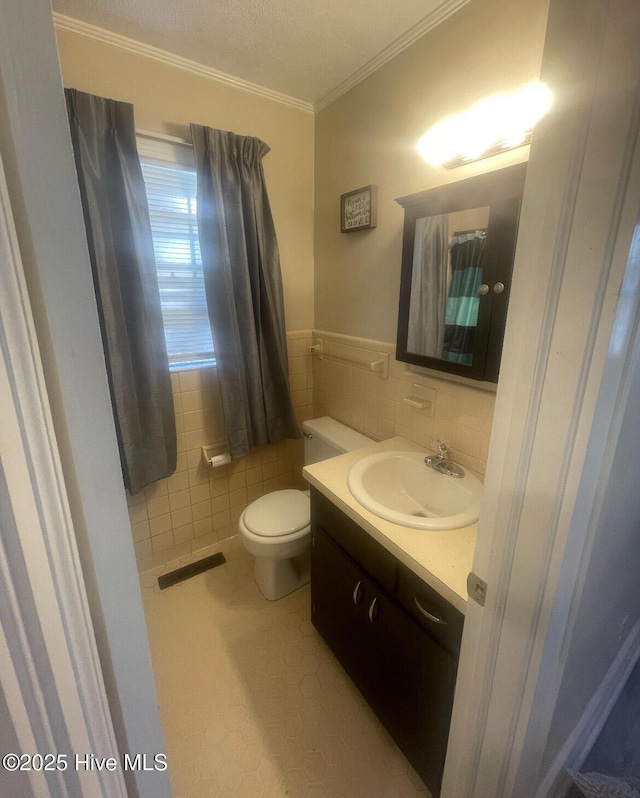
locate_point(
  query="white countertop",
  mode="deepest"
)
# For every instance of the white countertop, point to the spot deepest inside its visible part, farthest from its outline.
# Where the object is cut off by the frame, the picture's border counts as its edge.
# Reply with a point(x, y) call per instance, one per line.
point(443, 559)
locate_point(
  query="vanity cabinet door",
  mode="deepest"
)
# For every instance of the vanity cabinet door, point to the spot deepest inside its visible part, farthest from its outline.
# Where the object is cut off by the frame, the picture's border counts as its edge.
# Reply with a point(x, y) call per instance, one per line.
point(405, 675)
point(412, 687)
point(340, 593)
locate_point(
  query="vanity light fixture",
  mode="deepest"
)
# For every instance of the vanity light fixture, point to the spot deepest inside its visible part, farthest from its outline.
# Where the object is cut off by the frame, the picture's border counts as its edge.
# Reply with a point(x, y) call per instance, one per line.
point(491, 126)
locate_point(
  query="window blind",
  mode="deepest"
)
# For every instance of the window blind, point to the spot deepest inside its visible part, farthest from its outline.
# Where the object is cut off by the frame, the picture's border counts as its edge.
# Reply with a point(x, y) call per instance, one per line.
point(170, 179)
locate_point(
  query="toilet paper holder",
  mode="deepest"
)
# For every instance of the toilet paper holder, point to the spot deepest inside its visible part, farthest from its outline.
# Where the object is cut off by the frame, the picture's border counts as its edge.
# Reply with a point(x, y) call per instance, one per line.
point(216, 455)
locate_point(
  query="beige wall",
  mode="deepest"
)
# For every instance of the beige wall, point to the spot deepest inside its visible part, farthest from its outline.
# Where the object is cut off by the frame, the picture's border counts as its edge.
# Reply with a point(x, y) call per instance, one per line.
point(369, 134)
point(166, 100)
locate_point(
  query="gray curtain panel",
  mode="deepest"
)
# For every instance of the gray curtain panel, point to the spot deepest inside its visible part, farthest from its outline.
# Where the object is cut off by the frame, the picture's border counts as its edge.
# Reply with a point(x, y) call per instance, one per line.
point(429, 277)
point(124, 274)
point(243, 284)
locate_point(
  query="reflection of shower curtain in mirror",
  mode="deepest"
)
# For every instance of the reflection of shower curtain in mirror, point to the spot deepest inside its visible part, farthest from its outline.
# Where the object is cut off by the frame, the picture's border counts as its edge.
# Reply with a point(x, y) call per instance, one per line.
point(425, 335)
point(467, 253)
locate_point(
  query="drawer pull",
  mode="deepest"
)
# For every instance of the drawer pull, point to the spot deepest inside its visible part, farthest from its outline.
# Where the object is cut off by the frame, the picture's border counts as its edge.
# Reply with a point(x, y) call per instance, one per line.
point(373, 610)
point(428, 614)
point(357, 594)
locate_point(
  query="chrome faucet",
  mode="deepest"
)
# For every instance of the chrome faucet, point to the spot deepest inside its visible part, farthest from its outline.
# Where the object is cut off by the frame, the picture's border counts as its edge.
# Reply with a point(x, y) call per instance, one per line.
point(442, 461)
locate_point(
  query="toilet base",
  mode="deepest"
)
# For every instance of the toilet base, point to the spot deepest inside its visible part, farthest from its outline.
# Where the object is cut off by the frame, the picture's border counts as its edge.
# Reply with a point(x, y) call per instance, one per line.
point(278, 578)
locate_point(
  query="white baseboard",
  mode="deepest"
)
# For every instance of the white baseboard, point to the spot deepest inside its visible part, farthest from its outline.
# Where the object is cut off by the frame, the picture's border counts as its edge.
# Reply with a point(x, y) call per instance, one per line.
point(579, 743)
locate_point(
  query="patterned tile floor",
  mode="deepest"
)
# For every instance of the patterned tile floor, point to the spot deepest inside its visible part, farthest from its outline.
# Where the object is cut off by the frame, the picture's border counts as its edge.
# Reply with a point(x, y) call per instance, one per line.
point(253, 704)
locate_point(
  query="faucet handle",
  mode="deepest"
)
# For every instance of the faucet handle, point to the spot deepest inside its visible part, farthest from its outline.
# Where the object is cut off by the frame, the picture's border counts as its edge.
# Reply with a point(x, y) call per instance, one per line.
point(443, 462)
point(442, 447)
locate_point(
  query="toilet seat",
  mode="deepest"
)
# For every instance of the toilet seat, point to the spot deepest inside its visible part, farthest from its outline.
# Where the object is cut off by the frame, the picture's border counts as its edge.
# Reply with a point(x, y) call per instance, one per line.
point(276, 528)
point(278, 514)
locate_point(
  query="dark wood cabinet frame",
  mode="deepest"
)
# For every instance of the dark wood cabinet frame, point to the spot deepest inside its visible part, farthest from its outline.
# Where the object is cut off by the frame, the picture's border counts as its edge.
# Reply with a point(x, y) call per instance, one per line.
point(502, 192)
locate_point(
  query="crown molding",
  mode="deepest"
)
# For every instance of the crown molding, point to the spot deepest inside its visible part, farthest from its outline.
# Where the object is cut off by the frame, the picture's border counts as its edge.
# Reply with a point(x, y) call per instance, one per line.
point(438, 15)
point(65, 23)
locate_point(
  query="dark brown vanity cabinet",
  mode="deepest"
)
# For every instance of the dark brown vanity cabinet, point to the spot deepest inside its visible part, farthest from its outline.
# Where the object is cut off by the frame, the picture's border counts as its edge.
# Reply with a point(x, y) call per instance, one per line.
point(395, 636)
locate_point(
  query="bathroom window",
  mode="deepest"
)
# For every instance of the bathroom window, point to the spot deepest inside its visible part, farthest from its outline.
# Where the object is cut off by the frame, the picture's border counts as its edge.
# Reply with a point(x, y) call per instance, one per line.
point(170, 179)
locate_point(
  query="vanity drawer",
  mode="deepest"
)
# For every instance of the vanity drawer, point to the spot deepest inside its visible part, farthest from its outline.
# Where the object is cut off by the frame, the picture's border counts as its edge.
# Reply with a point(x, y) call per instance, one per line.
point(429, 609)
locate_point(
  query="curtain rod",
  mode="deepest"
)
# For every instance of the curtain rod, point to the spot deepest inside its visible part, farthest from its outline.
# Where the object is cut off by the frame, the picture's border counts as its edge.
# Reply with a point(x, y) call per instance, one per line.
point(473, 230)
point(151, 134)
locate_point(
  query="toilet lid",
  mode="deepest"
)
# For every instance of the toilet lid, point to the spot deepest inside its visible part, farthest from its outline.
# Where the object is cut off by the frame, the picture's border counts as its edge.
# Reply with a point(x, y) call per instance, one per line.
point(279, 513)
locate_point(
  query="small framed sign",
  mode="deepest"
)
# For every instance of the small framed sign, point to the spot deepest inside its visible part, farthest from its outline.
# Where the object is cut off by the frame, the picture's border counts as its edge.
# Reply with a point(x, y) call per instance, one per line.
point(359, 209)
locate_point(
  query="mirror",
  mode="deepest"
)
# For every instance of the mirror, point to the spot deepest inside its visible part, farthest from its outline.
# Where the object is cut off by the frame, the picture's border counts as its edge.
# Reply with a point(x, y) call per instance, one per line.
point(446, 275)
point(457, 258)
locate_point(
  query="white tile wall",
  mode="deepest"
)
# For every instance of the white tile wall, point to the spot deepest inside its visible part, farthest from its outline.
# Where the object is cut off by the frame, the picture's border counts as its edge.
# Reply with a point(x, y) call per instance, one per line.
point(374, 405)
point(200, 505)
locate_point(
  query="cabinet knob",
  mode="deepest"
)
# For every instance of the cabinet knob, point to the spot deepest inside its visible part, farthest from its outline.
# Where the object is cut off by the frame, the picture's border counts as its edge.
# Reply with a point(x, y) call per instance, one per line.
point(357, 594)
point(373, 610)
point(498, 288)
point(483, 290)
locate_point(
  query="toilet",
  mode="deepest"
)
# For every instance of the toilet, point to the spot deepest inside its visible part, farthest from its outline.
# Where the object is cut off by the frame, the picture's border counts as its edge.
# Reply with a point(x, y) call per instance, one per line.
point(276, 527)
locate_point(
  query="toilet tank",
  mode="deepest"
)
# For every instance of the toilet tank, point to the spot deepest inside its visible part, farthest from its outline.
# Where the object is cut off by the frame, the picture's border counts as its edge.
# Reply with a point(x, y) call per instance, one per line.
point(325, 437)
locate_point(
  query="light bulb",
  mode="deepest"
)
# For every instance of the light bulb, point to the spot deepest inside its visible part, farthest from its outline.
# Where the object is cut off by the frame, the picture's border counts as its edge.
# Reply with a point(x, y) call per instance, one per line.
point(498, 122)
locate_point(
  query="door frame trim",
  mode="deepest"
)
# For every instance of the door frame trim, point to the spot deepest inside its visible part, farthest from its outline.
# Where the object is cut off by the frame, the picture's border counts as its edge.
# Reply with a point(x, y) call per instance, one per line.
point(45, 625)
point(583, 175)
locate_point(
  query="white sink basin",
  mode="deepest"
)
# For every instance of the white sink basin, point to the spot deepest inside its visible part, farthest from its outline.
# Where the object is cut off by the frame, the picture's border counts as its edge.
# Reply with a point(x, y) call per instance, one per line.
point(399, 487)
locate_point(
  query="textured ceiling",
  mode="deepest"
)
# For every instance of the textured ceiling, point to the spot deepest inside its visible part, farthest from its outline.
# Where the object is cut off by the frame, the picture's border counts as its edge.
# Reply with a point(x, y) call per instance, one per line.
point(302, 48)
